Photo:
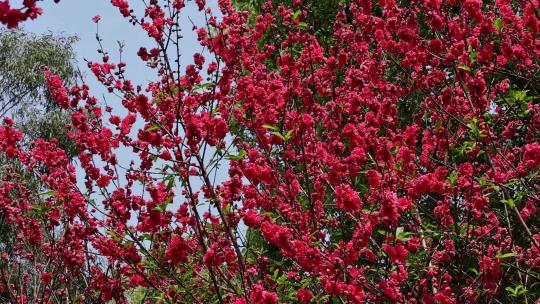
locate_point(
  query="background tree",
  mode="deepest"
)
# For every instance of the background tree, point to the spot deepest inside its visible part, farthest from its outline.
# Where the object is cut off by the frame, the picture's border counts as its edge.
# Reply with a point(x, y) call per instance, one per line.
point(319, 16)
point(24, 97)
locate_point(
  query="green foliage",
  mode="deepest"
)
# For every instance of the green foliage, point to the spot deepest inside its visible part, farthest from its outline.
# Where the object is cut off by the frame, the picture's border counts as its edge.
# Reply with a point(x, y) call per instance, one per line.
point(320, 19)
point(22, 57)
point(25, 97)
point(23, 91)
point(50, 125)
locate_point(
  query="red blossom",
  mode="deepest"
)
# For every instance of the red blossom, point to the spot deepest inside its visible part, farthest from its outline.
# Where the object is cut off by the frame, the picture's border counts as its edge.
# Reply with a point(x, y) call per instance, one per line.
point(347, 199)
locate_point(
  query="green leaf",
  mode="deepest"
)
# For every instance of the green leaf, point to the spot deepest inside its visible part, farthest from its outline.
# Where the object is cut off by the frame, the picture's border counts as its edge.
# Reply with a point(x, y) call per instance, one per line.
point(517, 291)
point(382, 232)
point(323, 298)
point(163, 207)
point(438, 125)
point(522, 290)
point(475, 130)
point(452, 178)
point(404, 235)
point(114, 236)
point(270, 127)
point(40, 209)
point(301, 25)
point(203, 86)
point(510, 202)
point(288, 135)
point(153, 127)
point(519, 95)
point(472, 56)
point(48, 193)
point(170, 182)
point(240, 155)
point(464, 67)
point(506, 255)
point(227, 209)
point(306, 282)
point(497, 24)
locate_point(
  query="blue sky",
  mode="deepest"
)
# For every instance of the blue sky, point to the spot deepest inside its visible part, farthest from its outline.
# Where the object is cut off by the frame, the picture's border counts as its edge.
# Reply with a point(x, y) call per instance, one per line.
point(74, 17)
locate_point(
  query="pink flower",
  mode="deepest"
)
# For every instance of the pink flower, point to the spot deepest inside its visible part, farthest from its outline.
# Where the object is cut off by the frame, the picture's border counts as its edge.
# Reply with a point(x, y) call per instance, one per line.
point(96, 18)
point(304, 295)
point(177, 251)
point(46, 277)
point(397, 254)
point(531, 155)
point(347, 199)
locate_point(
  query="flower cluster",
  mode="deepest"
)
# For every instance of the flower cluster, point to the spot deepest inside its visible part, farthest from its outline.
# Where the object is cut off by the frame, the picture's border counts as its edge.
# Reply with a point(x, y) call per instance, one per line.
point(11, 17)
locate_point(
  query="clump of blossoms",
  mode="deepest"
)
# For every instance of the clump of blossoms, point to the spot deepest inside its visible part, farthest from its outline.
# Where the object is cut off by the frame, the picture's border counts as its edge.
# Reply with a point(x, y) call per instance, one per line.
point(398, 164)
point(12, 16)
